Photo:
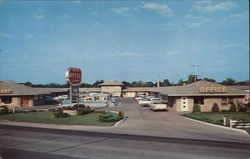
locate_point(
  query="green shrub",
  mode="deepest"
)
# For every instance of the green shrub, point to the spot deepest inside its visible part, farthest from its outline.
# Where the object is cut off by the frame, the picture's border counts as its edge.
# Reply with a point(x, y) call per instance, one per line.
point(121, 114)
point(110, 117)
point(196, 108)
point(60, 114)
point(232, 107)
point(4, 110)
point(83, 111)
point(240, 106)
point(215, 108)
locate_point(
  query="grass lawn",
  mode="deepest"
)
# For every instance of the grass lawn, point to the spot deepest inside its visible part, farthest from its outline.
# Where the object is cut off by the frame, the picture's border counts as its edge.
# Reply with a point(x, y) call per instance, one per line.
point(217, 118)
point(91, 119)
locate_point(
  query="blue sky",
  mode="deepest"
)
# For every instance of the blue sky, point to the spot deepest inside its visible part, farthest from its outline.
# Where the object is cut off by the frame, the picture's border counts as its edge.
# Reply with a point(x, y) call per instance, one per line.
point(124, 40)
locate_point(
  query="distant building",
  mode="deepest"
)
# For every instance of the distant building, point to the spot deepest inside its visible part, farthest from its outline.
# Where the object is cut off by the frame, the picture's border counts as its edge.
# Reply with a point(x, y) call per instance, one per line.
point(112, 87)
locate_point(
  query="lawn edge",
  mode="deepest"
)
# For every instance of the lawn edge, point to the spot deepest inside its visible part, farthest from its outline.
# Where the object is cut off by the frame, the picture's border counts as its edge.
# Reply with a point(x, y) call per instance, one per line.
point(224, 127)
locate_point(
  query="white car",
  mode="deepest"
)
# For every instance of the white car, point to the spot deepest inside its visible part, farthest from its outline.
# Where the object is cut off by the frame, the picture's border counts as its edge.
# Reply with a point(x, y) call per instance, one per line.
point(144, 101)
point(139, 97)
point(157, 106)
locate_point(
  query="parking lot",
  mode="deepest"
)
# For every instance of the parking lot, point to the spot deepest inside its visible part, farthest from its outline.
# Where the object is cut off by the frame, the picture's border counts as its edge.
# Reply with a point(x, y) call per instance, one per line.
point(143, 121)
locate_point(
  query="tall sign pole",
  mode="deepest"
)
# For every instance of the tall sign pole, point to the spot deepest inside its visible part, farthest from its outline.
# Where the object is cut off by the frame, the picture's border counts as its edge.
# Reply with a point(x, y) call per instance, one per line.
point(74, 78)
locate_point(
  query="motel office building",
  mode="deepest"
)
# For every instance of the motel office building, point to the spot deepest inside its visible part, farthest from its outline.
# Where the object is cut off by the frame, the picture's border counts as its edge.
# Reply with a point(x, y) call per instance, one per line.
point(183, 98)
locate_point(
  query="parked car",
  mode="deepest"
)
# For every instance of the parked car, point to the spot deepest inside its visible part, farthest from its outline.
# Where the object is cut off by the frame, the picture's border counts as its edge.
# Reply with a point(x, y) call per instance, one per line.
point(157, 105)
point(139, 97)
point(144, 101)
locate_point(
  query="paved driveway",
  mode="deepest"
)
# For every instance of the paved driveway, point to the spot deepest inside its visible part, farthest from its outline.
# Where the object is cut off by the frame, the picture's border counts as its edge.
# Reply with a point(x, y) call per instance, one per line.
point(169, 124)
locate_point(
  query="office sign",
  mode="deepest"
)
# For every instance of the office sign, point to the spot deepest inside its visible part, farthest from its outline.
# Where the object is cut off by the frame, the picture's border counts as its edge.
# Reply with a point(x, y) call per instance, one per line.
point(213, 89)
point(74, 76)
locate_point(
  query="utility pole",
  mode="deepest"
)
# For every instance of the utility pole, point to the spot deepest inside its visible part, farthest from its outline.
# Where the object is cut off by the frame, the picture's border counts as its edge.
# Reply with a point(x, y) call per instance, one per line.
point(195, 71)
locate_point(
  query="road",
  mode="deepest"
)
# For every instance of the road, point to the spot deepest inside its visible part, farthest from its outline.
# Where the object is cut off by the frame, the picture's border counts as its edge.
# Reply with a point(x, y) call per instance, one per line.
point(29, 143)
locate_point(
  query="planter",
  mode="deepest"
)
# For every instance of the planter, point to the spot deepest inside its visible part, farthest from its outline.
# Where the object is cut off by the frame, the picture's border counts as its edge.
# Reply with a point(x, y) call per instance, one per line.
point(70, 112)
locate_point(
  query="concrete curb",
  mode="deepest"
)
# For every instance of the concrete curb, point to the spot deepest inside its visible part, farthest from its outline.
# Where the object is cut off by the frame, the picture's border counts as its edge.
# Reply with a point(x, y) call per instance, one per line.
point(228, 128)
point(119, 122)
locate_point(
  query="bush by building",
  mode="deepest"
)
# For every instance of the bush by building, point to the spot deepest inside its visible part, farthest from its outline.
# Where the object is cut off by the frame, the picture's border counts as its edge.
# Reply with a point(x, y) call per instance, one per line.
point(4, 110)
point(196, 108)
point(232, 107)
point(240, 106)
point(215, 108)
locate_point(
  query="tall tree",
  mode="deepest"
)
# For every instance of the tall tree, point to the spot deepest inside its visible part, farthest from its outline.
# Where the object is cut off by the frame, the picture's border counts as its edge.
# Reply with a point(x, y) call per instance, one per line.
point(192, 78)
point(166, 83)
point(97, 82)
point(209, 79)
point(180, 81)
point(229, 81)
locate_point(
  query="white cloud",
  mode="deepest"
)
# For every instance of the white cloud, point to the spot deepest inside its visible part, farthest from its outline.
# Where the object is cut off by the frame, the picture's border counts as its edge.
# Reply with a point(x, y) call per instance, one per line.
point(76, 1)
point(160, 8)
point(96, 23)
point(1, 1)
point(173, 52)
point(203, 2)
point(172, 27)
point(5, 35)
point(196, 21)
point(124, 54)
point(228, 46)
point(28, 36)
point(94, 13)
point(38, 15)
point(223, 6)
point(121, 11)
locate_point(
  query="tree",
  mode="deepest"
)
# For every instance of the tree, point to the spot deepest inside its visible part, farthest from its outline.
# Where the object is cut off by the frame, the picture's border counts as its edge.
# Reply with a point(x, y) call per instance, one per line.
point(229, 81)
point(192, 78)
point(28, 83)
point(166, 83)
point(180, 81)
point(86, 85)
point(149, 84)
point(209, 79)
point(54, 85)
point(96, 84)
point(126, 84)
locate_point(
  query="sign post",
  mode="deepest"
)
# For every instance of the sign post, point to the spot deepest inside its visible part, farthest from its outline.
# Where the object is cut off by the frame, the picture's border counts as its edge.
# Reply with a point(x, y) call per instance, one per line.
point(74, 77)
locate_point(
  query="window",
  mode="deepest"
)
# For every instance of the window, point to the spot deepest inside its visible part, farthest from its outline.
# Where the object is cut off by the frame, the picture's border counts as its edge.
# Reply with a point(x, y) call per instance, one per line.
point(6, 100)
point(199, 100)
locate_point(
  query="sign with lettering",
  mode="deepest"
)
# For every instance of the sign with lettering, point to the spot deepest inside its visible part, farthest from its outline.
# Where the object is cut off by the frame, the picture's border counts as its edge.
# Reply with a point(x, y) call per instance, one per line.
point(5, 91)
point(213, 89)
point(74, 76)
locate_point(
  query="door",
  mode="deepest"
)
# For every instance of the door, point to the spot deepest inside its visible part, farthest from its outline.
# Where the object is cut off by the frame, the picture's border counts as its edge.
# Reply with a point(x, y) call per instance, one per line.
point(25, 101)
point(184, 104)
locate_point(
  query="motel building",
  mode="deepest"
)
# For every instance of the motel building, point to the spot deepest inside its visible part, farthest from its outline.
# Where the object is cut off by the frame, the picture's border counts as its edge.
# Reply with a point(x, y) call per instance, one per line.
point(179, 98)
point(183, 98)
point(13, 94)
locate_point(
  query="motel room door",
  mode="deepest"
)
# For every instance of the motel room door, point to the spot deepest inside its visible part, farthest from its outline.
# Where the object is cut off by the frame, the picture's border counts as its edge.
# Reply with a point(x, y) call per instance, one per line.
point(184, 104)
point(25, 101)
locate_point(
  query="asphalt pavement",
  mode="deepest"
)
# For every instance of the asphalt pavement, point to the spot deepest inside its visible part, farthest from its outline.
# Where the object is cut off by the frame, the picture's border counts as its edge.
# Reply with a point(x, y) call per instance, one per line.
point(29, 144)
